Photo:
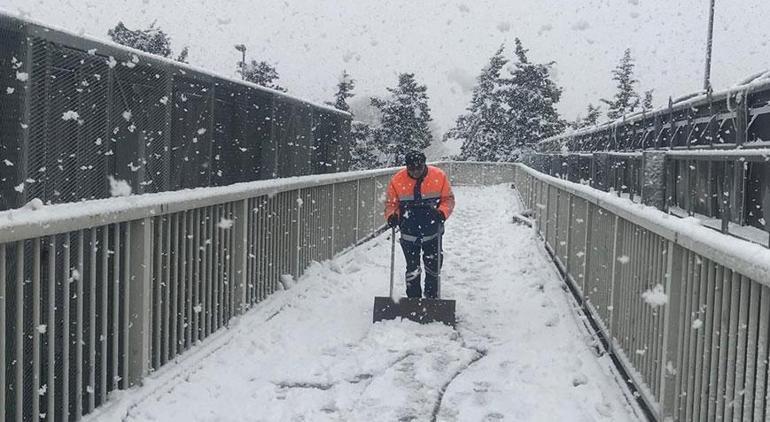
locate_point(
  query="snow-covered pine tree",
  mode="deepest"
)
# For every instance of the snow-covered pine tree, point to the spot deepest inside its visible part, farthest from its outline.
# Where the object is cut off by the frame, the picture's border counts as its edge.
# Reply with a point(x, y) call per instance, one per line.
point(482, 128)
point(591, 118)
point(151, 40)
point(530, 97)
point(344, 91)
point(647, 102)
point(364, 155)
point(626, 99)
point(261, 73)
point(405, 119)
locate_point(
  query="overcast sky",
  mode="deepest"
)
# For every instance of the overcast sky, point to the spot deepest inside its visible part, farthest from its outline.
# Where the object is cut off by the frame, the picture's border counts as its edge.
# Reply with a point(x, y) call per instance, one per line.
point(446, 43)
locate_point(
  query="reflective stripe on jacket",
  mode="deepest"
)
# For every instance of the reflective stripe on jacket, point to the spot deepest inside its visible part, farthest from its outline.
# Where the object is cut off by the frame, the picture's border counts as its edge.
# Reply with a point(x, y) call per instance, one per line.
point(416, 203)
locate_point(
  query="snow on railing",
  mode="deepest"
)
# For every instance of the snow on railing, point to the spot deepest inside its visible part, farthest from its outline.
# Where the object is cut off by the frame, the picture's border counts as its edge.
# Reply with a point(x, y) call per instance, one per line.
point(682, 308)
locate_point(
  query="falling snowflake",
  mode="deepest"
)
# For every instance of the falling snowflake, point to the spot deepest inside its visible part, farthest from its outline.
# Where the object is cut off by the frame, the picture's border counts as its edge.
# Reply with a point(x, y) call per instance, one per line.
point(42, 328)
point(655, 296)
point(625, 259)
point(22, 76)
point(225, 223)
point(696, 324)
point(127, 115)
point(70, 115)
point(112, 62)
point(19, 188)
point(119, 187)
point(198, 308)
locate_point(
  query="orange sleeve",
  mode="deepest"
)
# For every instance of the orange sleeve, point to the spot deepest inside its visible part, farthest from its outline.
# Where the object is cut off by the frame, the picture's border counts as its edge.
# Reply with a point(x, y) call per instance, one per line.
point(447, 202)
point(391, 201)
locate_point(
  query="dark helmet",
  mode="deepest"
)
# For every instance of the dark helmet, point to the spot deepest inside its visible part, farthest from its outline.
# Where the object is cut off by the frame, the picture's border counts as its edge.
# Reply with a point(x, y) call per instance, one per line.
point(414, 159)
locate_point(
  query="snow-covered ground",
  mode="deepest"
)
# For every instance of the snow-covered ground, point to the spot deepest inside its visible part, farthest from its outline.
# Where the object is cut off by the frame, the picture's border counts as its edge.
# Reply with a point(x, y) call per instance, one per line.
point(311, 353)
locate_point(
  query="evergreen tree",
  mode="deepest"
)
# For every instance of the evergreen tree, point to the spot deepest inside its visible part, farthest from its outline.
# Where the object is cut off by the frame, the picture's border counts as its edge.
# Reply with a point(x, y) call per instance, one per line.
point(151, 40)
point(261, 73)
point(647, 102)
point(591, 118)
point(405, 119)
point(344, 91)
point(626, 100)
point(364, 154)
point(530, 96)
point(482, 129)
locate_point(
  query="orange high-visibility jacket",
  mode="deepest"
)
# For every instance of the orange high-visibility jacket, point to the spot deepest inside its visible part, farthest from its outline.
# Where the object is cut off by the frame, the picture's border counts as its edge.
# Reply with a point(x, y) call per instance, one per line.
point(416, 205)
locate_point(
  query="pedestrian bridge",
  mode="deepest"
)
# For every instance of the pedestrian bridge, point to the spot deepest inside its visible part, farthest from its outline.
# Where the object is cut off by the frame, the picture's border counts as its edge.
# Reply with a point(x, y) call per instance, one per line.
point(253, 302)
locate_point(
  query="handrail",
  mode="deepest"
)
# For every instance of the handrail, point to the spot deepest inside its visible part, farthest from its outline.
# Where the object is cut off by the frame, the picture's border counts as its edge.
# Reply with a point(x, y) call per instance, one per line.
point(745, 257)
point(24, 223)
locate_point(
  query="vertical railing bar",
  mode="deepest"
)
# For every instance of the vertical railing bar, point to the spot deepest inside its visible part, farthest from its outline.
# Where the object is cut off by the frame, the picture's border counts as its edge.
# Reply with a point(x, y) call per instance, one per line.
point(190, 280)
point(751, 350)
point(79, 332)
point(50, 331)
point(166, 298)
point(760, 393)
point(115, 306)
point(156, 291)
point(3, 305)
point(735, 292)
point(175, 283)
point(19, 329)
point(104, 314)
point(91, 387)
point(704, 293)
point(182, 319)
point(126, 304)
point(35, 333)
point(195, 303)
point(216, 304)
point(741, 346)
point(65, 338)
point(714, 332)
point(694, 280)
point(685, 330)
point(210, 272)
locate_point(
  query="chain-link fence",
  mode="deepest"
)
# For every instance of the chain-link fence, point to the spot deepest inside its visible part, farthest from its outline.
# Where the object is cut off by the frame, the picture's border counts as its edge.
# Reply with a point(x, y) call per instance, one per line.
point(76, 111)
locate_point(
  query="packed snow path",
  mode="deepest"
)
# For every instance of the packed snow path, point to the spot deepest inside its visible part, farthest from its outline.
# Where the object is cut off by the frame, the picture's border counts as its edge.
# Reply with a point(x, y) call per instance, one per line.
point(311, 353)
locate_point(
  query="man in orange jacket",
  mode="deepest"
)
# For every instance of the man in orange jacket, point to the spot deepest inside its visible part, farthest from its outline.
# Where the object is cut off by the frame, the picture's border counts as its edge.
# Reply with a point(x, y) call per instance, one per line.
point(419, 201)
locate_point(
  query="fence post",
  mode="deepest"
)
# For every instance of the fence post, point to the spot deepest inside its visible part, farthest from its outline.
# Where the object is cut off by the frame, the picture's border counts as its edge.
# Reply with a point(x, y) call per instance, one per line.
point(599, 171)
point(668, 369)
point(654, 179)
point(139, 289)
point(241, 234)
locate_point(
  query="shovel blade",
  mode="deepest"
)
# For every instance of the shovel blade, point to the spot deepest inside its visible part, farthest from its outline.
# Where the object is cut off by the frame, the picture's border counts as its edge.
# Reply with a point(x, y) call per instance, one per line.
point(419, 310)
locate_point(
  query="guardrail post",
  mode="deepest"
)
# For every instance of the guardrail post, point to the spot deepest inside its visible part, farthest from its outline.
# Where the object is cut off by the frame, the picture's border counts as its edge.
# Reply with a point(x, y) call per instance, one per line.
point(139, 245)
point(671, 335)
point(654, 179)
point(240, 256)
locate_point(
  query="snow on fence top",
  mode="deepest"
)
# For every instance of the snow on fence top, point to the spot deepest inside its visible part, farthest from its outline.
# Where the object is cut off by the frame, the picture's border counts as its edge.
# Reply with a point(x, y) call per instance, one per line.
point(32, 222)
point(747, 258)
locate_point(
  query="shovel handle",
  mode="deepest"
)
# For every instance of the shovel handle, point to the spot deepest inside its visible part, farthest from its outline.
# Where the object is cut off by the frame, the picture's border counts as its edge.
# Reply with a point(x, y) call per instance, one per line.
point(392, 257)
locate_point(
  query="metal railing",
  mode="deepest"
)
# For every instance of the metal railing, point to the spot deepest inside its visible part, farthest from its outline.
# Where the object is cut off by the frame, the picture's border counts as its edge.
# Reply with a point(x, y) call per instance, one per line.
point(95, 295)
point(735, 118)
point(685, 310)
point(729, 189)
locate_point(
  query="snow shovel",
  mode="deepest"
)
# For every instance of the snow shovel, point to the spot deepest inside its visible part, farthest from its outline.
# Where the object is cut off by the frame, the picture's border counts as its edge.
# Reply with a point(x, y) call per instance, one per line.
point(420, 310)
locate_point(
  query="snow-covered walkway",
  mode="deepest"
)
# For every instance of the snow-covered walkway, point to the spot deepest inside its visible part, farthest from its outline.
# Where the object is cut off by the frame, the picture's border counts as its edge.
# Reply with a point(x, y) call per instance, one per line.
point(311, 353)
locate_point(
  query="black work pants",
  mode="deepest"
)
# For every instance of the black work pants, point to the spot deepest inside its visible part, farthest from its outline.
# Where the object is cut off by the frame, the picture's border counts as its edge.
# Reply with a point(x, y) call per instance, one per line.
point(430, 256)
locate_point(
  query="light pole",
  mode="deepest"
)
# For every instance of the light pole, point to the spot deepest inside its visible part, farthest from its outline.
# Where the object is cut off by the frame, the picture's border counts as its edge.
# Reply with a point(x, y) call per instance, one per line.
point(242, 49)
point(709, 42)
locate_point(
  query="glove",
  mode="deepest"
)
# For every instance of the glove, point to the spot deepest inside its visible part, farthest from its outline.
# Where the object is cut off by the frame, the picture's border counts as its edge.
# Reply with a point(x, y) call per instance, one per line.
point(393, 221)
